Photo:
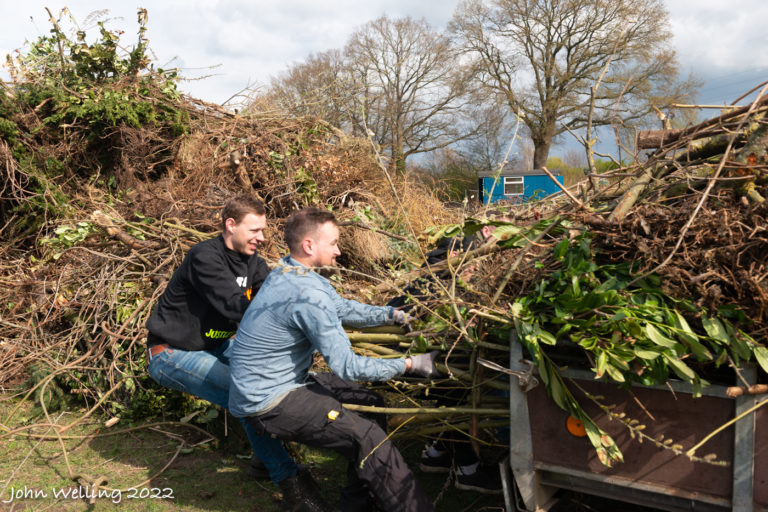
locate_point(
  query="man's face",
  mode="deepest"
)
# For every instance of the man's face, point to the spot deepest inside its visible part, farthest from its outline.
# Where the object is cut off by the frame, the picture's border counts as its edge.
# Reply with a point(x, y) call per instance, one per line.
point(325, 243)
point(246, 235)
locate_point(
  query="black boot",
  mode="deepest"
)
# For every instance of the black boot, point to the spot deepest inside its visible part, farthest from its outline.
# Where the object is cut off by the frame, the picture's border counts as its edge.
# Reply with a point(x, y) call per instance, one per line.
point(306, 481)
point(300, 494)
point(356, 498)
point(257, 469)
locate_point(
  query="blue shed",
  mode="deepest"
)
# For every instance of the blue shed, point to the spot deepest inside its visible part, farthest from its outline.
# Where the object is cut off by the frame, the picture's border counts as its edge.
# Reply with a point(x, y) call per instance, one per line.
point(516, 185)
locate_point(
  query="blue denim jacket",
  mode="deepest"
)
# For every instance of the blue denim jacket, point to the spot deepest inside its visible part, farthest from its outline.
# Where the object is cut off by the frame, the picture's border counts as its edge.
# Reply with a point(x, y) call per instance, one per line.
point(295, 313)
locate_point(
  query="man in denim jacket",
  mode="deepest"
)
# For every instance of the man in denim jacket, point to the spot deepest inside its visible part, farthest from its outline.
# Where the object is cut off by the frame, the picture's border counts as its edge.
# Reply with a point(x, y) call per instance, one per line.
point(193, 323)
point(296, 313)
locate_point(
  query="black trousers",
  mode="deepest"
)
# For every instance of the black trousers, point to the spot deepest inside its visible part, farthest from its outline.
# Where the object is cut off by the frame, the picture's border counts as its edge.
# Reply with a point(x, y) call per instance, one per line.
point(313, 415)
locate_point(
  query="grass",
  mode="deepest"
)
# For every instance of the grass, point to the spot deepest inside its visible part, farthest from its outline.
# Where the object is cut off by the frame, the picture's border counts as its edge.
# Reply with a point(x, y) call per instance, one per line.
point(38, 474)
point(130, 467)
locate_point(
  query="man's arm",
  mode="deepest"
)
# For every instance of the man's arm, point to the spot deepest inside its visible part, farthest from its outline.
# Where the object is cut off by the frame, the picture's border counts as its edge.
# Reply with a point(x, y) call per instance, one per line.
point(316, 316)
point(356, 314)
point(258, 276)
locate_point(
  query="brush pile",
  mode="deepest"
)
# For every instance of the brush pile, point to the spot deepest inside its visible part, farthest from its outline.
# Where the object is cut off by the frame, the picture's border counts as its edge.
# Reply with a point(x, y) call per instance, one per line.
point(645, 273)
point(649, 272)
point(109, 175)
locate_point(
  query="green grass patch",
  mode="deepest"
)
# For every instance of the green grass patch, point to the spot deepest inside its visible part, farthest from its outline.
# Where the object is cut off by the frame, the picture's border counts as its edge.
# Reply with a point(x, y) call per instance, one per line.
point(129, 463)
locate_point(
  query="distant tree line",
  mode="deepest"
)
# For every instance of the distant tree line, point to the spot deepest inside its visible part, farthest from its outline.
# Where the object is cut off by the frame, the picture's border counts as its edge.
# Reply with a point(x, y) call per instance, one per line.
point(498, 86)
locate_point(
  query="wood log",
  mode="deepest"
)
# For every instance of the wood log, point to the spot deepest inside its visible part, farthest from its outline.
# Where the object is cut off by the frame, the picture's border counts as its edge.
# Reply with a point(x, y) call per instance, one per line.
point(652, 139)
point(103, 221)
point(631, 196)
point(649, 136)
point(757, 389)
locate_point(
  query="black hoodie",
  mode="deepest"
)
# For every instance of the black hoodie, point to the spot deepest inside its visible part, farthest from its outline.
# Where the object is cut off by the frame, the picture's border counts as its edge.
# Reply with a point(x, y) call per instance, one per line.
point(206, 297)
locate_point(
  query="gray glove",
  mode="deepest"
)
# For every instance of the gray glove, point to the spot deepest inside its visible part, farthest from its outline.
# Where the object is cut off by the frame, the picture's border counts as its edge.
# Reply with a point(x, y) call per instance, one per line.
point(424, 364)
point(400, 318)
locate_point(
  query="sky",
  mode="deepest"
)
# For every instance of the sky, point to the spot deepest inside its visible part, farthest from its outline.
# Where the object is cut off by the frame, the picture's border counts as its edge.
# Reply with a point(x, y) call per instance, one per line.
point(223, 47)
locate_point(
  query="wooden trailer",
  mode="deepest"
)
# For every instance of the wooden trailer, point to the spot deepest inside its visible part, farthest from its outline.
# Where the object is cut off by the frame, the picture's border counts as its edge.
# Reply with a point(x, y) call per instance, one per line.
point(545, 456)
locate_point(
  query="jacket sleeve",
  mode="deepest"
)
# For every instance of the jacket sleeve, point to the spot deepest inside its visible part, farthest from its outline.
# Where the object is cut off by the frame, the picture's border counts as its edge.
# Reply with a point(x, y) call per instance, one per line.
point(356, 314)
point(316, 317)
point(213, 280)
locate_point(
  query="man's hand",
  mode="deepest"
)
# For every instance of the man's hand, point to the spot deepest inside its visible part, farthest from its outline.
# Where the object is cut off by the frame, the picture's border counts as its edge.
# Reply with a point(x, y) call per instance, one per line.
point(424, 364)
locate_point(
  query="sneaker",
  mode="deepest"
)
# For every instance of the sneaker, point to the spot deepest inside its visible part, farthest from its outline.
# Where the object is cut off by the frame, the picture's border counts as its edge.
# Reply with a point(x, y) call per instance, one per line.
point(435, 462)
point(486, 479)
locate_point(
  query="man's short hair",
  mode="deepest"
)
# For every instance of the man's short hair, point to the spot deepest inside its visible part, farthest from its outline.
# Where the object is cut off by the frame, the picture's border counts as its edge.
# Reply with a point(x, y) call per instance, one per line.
point(303, 222)
point(240, 206)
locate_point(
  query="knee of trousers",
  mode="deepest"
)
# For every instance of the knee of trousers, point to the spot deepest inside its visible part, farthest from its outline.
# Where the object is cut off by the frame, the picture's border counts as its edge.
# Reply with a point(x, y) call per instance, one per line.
point(371, 443)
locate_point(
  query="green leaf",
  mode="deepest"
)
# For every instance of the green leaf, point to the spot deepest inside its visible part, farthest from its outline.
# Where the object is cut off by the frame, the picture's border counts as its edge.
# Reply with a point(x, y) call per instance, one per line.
point(646, 354)
point(657, 337)
point(575, 285)
point(561, 249)
point(700, 351)
point(619, 316)
point(558, 393)
point(722, 358)
point(738, 346)
point(682, 323)
point(504, 231)
point(602, 361)
point(761, 355)
point(715, 329)
point(680, 368)
point(545, 336)
point(614, 373)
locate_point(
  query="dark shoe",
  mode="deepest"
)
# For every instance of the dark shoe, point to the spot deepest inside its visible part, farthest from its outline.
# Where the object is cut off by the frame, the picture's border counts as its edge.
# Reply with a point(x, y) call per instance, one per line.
point(438, 464)
point(257, 469)
point(486, 479)
point(299, 496)
point(356, 498)
point(306, 481)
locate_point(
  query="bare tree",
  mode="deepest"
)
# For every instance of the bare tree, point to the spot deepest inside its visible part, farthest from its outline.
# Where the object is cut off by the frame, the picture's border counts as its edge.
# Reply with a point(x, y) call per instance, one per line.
point(410, 86)
point(575, 158)
point(447, 172)
point(319, 86)
point(544, 56)
point(500, 139)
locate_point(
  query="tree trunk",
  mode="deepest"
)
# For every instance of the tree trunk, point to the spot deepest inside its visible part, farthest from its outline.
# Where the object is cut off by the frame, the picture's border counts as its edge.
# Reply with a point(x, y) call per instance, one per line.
point(541, 152)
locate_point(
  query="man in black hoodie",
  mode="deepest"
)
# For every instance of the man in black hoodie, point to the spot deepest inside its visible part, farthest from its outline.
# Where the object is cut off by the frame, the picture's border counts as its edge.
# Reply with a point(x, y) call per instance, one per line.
point(192, 326)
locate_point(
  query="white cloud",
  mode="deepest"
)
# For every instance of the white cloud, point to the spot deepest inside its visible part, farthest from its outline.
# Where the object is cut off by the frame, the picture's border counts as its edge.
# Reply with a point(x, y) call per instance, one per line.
point(239, 42)
point(251, 40)
point(724, 35)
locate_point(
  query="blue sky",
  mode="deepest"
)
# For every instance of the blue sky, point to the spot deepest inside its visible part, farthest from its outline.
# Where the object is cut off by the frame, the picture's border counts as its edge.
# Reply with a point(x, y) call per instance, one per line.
point(225, 46)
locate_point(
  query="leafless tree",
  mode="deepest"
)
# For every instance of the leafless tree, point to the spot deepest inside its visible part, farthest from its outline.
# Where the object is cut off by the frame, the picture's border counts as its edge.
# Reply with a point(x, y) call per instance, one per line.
point(544, 56)
point(500, 140)
point(411, 87)
point(398, 80)
point(319, 86)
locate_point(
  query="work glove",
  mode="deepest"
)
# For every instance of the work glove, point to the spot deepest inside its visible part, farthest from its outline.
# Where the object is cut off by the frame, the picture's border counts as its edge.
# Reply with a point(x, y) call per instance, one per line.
point(400, 317)
point(424, 364)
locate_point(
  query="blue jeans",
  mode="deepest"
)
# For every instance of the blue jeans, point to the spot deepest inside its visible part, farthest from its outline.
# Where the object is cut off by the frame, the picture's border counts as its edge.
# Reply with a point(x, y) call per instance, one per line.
point(205, 374)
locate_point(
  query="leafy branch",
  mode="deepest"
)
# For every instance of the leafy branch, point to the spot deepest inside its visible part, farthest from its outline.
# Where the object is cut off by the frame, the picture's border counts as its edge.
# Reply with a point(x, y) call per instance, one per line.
point(629, 333)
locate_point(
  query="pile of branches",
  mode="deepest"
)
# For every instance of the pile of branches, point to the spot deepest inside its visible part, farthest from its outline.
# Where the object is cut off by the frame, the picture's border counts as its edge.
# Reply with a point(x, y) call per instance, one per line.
point(646, 273)
point(109, 175)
